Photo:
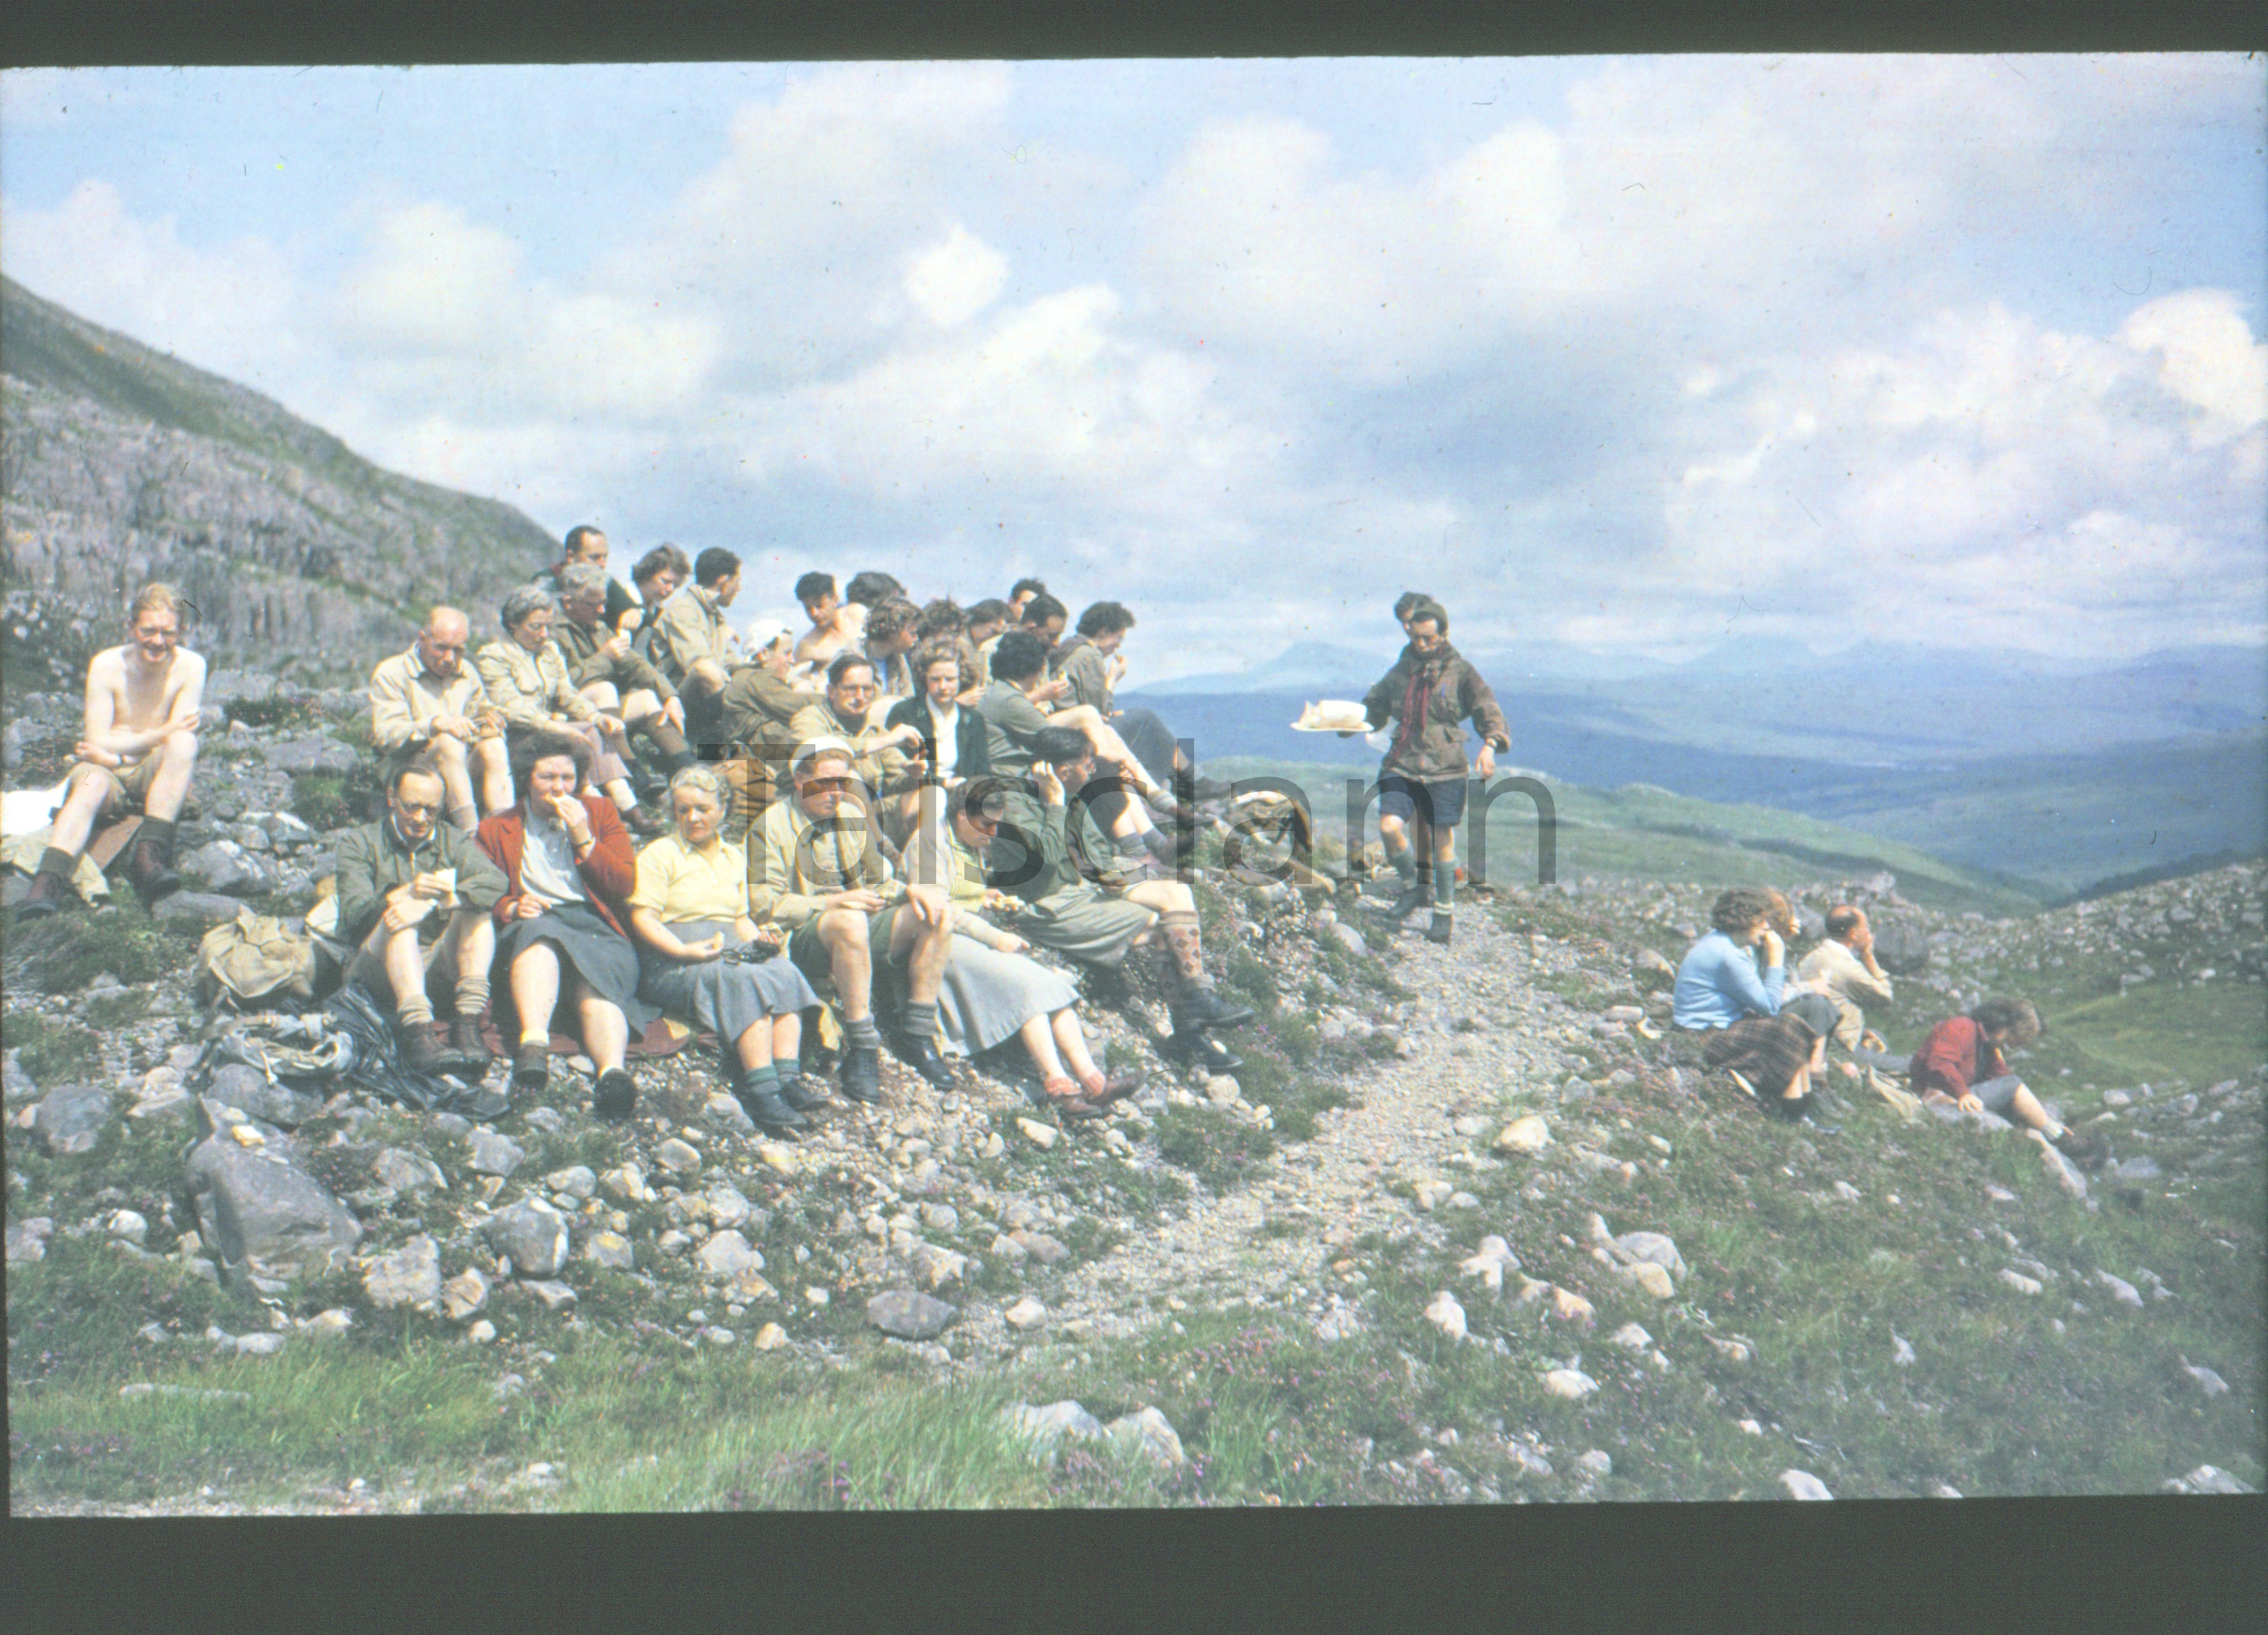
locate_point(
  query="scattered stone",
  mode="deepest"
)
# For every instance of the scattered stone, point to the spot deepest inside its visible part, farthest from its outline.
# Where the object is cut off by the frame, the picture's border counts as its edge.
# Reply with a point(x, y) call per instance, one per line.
point(2210, 1383)
point(717, 1334)
point(405, 1169)
point(1998, 1194)
point(1732, 1350)
point(1025, 1314)
point(1148, 1433)
point(679, 1157)
point(1431, 1194)
point(909, 1314)
point(576, 1181)
point(1848, 1193)
point(70, 1117)
point(28, 1239)
point(1569, 1307)
point(532, 1234)
point(259, 1344)
point(1943, 1489)
point(2017, 1281)
point(1490, 1264)
point(2140, 1168)
point(1447, 1314)
point(776, 1155)
point(1902, 1353)
point(1572, 1383)
point(1045, 1428)
point(1040, 1135)
point(495, 1154)
point(1525, 1460)
point(1631, 1337)
point(263, 1217)
point(945, 1217)
point(256, 1095)
point(611, 1249)
point(1653, 1278)
point(2205, 1479)
point(2065, 1173)
point(1526, 1135)
point(411, 1276)
point(556, 1295)
point(1042, 1248)
point(2124, 1293)
point(935, 1267)
point(330, 1324)
point(626, 1182)
point(1596, 1463)
point(126, 1225)
point(206, 906)
point(723, 1111)
point(464, 1295)
point(1222, 1091)
point(726, 1254)
point(480, 1333)
point(1803, 1484)
point(770, 1337)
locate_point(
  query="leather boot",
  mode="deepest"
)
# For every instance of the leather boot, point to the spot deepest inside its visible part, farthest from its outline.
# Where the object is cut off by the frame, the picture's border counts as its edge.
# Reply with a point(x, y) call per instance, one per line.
point(149, 866)
point(51, 892)
point(861, 1074)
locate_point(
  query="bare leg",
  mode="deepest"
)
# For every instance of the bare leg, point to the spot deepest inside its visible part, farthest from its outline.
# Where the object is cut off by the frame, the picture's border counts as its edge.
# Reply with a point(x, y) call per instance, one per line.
point(924, 948)
point(1041, 1044)
point(603, 694)
point(2030, 1113)
point(177, 763)
point(90, 796)
point(1165, 896)
point(622, 794)
point(496, 773)
point(638, 706)
point(605, 1030)
point(452, 760)
point(535, 991)
point(754, 1045)
point(1072, 1039)
point(787, 1034)
point(405, 970)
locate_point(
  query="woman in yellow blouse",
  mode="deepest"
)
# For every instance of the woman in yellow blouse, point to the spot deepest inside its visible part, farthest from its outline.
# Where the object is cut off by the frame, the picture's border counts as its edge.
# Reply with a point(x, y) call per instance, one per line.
point(525, 675)
point(690, 916)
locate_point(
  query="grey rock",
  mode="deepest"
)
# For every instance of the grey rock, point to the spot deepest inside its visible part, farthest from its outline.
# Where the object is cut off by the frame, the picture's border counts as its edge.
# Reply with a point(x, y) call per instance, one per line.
point(226, 867)
point(495, 1154)
point(610, 1250)
point(1045, 1428)
point(70, 1117)
point(405, 1169)
point(28, 1239)
point(1900, 948)
point(1596, 1463)
point(452, 1124)
point(726, 1254)
point(16, 1085)
point(464, 1295)
point(205, 906)
point(259, 1344)
point(1148, 1433)
point(1043, 1248)
point(261, 1215)
point(411, 1276)
point(1348, 938)
point(556, 1295)
point(910, 1315)
point(2205, 1479)
point(311, 752)
point(576, 1181)
point(247, 1087)
point(2136, 1169)
point(532, 1234)
point(550, 1120)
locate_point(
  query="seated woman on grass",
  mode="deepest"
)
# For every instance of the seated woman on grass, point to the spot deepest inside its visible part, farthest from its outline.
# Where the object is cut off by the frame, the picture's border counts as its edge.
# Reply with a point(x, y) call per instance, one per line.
point(570, 871)
point(690, 911)
point(1769, 1043)
point(1961, 1063)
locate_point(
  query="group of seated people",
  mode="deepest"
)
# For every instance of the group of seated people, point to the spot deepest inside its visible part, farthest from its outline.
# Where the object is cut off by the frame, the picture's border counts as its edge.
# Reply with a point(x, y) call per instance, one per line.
point(1769, 1032)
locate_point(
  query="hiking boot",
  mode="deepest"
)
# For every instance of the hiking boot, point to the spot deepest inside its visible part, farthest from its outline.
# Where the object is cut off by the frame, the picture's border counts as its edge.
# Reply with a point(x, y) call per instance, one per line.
point(767, 1108)
point(419, 1054)
point(1212, 789)
point(149, 873)
point(530, 1066)
point(1196, 1048)
point(803, 1092)
point(1437, 932)
point(861, 1074)
point(615, 1095)
point(1204, 1007)
point(1076, 1107)
point(50, 894)
point(921, 1056)
point(467, 1045)
point(1414, 896)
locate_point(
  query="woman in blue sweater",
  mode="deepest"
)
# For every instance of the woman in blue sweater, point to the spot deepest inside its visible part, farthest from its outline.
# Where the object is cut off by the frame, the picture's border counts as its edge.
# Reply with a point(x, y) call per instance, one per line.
point(1771, 1044)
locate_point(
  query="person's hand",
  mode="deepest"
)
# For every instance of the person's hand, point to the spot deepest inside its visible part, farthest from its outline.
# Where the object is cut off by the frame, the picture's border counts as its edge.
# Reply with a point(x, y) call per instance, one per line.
point(616, 647)
point(675, 710)
point(1969, 1103)
point(1850, 1069)
point(1045, 780)
point(87, 752)
point(707, 948)
point(400, 914)
point(571, 816)
point(858, 899)
point(612, 727)
point(525, 908)
point(930, 903)
point(1010, 943)
point(1862, 938)
point(1775, 950)
point(1872, 1041)
point(1486, 764)
point(1053, 690)
point(454, 725)
point(430, 886)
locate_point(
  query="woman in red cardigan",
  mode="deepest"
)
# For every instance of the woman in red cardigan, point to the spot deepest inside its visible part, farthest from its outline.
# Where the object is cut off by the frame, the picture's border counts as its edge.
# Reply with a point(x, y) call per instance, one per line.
point(560, 928)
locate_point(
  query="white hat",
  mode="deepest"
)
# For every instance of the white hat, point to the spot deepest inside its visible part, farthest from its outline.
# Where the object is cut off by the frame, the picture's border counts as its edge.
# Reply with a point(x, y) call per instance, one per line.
point(825, 744)
point(763, 631)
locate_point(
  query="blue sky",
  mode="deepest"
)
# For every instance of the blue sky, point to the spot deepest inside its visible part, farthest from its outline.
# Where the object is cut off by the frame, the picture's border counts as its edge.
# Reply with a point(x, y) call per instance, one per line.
point(1633, 354)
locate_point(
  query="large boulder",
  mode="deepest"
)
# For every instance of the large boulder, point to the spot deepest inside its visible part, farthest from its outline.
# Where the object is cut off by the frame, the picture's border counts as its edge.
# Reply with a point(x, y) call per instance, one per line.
point(312, 752)
point(411, 1276)
point(247, 1087)
point(910, 1316)
point(261, 1215)
point(227, 867)
point(70, 1116)
point(1900, 948)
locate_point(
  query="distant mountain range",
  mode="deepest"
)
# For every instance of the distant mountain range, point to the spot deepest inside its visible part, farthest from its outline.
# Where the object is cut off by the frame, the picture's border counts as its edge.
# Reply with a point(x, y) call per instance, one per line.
point(119, 464)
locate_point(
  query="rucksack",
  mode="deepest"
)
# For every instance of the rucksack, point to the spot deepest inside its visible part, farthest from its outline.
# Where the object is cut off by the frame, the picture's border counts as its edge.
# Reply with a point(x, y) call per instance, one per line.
point(254, 957)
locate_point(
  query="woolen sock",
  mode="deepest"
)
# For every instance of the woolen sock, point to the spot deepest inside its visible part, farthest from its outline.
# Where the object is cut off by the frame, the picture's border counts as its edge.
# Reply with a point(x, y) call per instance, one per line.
point(467, 817)
point(1178, 930)
point(1160, 845)
point(55, 860)
point(1445, 887)
point(415, 1011)
point(1403, 861)
point(157, 832)
point(919, 1022)
point(665, 737)
point(860, 1033)
point(472, 996)
point(760, 1080)
point(788, 1067)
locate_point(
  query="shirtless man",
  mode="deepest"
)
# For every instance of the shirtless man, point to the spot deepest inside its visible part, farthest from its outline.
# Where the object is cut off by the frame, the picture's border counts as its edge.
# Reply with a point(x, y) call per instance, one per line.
point(143, 700)
point(835, 625)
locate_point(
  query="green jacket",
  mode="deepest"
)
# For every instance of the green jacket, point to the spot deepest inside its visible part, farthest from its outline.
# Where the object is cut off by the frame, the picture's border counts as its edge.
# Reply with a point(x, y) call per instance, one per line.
point(1081, 663)
point(373, 859)
point(1440, 693)
point(1040, 863)
point(586, 664)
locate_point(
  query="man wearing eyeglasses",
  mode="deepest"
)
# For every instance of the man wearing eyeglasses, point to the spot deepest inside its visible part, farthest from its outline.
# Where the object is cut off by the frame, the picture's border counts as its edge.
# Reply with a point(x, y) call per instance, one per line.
point(430, 701)
point(413, 900)
point(821, 877)
point(885, 761)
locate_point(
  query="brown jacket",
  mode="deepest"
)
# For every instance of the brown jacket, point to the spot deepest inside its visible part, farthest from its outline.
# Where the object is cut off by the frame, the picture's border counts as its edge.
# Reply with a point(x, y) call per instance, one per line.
point(1430, 700)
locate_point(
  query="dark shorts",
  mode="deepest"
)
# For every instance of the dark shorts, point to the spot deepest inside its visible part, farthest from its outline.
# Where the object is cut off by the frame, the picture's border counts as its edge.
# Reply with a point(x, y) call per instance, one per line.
point(1442, 805)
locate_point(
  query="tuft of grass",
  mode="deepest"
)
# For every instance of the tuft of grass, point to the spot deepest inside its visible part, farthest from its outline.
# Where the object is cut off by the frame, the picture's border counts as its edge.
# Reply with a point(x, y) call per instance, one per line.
point(52, 1052)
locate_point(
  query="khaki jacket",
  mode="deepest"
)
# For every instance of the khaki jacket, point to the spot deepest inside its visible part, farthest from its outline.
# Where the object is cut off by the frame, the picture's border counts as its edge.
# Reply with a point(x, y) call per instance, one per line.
point(797, 863)
point(532, 688)
point(405, 697)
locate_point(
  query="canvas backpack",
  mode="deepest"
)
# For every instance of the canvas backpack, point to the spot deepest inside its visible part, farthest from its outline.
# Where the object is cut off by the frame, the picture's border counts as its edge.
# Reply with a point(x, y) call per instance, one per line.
point(254, 957)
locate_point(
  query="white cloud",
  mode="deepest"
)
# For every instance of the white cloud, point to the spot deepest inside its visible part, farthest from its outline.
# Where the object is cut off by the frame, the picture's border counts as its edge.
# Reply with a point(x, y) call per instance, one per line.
point(956, 279)
point(2209, 359)
point(435, 282)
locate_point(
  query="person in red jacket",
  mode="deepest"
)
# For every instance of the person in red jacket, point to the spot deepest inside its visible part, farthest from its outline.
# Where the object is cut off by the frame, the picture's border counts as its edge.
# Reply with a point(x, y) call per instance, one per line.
point(1961, 1063)
point(561, 926)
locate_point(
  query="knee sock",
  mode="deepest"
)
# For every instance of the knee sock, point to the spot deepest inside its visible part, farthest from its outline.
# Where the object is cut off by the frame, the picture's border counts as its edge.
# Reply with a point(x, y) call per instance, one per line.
point(472, 996)
point(467, 817)
point(1403, 861)
point(787, 1067)
point(919, 1022)
point(860, 1033)
point(760, 1080)
point(1160, 845)
point(1445, 888)
point(414, 1010)
point(1177, 928)
point(55, 860)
